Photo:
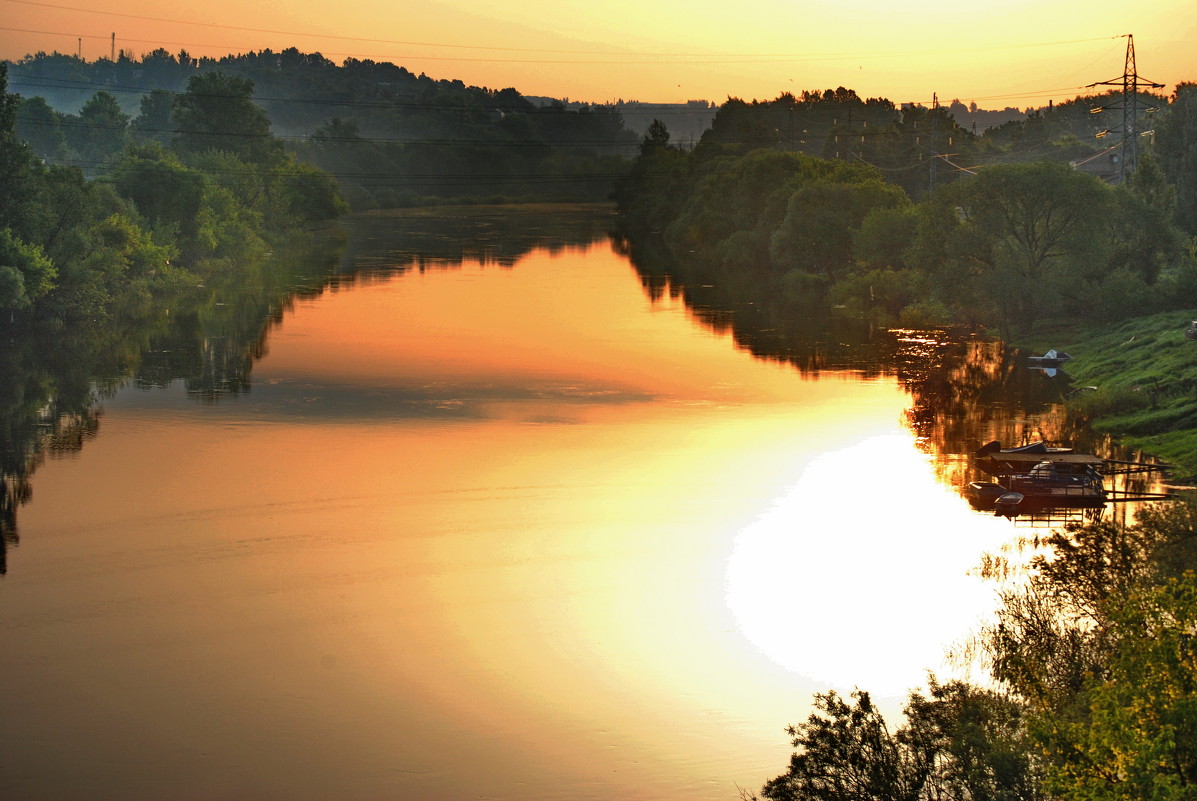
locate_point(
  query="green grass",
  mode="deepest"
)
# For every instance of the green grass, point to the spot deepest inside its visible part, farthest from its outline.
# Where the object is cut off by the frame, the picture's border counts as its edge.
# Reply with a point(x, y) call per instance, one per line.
point(1145, 372)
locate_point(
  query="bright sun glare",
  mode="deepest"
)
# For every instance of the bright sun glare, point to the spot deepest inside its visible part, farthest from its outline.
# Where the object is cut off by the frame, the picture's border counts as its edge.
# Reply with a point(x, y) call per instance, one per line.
point(866, 593)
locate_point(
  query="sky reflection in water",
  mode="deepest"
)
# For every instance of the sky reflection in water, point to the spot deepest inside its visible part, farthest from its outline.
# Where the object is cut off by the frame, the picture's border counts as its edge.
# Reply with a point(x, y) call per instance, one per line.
point(519, 533)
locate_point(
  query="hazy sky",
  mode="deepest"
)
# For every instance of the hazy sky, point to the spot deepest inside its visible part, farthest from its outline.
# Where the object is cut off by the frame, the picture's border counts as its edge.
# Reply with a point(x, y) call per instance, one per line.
point(1007, 52)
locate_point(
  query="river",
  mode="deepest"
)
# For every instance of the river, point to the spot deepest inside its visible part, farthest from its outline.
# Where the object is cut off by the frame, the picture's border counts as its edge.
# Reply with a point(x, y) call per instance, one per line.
point(500, 522)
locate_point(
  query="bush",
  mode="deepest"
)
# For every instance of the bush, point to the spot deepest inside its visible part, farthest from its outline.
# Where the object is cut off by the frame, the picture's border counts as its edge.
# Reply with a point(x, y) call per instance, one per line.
point(1089, 404)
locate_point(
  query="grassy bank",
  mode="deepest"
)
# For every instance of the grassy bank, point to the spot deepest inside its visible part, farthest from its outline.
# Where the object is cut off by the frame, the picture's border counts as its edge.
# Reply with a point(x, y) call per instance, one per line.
point(1136, 379)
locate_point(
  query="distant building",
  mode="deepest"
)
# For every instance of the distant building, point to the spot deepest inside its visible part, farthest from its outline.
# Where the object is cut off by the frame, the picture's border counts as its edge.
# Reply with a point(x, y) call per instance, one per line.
point(1104, 164)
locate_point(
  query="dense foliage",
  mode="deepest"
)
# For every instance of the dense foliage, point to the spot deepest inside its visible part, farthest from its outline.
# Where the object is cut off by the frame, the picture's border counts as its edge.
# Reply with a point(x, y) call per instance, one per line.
point(163, 217)
point(1098, 645)
point(959, 742)
point(391, 138)
point(1006, 245)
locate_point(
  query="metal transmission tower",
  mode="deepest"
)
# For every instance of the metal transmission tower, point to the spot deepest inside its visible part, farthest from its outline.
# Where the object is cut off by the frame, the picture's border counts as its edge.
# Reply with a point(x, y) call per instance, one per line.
point(1130, 81)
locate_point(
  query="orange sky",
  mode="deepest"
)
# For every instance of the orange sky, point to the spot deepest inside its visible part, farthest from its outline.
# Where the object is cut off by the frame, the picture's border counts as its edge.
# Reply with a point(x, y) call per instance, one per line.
point(1008, 53)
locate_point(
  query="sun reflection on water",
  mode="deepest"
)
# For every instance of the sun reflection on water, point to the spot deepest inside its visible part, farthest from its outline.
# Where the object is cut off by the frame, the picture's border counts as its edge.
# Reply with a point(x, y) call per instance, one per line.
point(474, 532)
point(868, 590)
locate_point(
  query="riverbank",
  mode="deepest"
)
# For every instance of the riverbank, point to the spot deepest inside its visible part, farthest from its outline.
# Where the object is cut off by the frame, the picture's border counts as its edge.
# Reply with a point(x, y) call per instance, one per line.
point(1136, 379)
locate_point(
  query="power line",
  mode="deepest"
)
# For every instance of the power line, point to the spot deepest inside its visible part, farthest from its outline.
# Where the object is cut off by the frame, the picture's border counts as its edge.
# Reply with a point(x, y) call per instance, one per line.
point(1130, 81)
point(223, 26)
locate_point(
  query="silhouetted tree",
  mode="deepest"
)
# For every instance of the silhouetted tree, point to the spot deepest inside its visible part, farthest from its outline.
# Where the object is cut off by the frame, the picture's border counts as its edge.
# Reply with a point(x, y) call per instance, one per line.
point(959, 743)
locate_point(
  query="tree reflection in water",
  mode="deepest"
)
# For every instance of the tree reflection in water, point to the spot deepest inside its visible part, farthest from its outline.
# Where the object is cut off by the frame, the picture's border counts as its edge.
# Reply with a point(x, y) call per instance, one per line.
point(53, 383)
point(965, 389)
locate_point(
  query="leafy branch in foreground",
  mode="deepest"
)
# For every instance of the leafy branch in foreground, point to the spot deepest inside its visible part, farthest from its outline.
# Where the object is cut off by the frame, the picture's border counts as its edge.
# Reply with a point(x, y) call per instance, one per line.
point(1094, 656)
point(959, 742)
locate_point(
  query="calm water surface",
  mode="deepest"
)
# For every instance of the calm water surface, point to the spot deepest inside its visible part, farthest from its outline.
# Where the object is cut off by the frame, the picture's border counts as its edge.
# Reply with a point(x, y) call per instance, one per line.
point(481, 530)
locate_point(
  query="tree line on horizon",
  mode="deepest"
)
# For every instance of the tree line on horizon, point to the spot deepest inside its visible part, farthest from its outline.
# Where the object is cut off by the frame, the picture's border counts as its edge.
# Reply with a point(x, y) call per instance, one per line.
point(392, 138)
point(884, 231)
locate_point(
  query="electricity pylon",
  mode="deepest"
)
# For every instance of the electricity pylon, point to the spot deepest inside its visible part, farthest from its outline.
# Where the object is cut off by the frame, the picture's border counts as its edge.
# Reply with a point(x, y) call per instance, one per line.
point(1130, 82)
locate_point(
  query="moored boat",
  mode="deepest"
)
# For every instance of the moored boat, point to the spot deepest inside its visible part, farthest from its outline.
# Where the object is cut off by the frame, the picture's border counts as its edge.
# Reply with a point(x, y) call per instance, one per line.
point(1008, 504)
point(982, 494)
point(1000, 462)
point(1048, 485)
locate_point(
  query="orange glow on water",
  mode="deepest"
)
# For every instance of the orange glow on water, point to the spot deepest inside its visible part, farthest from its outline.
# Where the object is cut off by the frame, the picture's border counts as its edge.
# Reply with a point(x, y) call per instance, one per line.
point(550, 540)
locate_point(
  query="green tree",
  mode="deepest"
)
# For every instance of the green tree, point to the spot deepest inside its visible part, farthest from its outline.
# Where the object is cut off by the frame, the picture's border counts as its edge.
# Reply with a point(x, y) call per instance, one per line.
point(41, 128)
point(648, 196)
point(216, 113)
point(846, 752)
point(884, 236)
point(657, 136)
point(101, 131)
point(153, 123)
point(308, 194)
point(26, 275)
point(1176, 147)
point(959, 743)
point(1022, 234)
point(1090, 644)
point(18, 169)
point(822, 217)
point(166, 193)
point(1139, 740)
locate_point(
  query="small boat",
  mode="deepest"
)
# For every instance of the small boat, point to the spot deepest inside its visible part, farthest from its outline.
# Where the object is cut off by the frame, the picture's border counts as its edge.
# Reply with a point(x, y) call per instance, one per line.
point(983, 494)
point(1053, 358)
point(1033, 447)
point(1007, 505)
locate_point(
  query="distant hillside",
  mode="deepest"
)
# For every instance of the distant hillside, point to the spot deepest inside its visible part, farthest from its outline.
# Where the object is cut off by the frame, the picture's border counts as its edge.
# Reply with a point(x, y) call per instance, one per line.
point(686, 121)
point(391, 137)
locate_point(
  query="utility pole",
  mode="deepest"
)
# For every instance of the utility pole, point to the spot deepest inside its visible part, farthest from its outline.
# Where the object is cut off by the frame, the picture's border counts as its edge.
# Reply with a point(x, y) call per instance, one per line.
point(1130, 82)
point(114, 47)
point(934, 155)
